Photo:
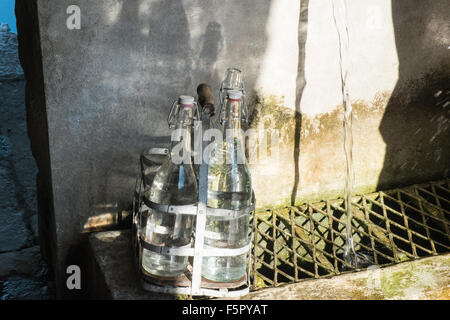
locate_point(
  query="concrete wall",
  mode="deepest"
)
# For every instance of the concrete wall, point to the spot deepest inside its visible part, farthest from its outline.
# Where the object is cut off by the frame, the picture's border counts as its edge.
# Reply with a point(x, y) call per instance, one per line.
point(108, 87)
point(397, 78)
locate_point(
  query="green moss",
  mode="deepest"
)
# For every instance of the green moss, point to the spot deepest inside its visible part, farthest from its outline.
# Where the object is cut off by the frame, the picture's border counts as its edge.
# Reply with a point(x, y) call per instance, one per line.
point(259, 282)
point(181, 297)
point(403, 257)
point(395, 283)
point(270, 112)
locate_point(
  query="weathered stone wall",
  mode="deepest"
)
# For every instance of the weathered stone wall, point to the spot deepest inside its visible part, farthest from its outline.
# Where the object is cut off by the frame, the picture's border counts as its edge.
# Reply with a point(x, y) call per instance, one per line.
point(108, 87)
point(22, 271)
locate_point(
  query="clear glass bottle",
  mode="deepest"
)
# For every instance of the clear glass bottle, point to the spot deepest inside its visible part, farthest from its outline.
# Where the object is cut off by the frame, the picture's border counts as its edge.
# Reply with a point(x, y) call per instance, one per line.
point(232, 81)
point(175, 183)
point(229, 187)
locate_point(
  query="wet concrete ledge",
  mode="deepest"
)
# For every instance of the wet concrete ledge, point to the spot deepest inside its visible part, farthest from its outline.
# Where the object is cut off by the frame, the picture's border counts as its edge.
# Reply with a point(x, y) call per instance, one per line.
point(114, 276)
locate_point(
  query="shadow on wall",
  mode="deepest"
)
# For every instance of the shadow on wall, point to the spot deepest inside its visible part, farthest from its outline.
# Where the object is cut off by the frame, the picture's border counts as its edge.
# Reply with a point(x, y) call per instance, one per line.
point(173, 64)
point(300, 86)
point(415, 125)
point(37, 126)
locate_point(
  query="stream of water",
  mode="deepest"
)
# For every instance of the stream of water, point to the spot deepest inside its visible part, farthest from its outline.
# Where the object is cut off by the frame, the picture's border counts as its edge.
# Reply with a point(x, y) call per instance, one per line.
point(340, 15)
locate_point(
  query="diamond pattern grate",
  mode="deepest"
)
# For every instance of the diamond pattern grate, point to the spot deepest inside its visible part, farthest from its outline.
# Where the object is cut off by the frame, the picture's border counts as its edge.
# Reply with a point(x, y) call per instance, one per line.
point(307, 241)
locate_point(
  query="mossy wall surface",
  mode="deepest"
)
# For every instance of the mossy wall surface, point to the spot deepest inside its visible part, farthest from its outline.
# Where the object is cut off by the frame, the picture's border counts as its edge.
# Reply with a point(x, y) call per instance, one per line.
point(397, 140)
point(398, 75)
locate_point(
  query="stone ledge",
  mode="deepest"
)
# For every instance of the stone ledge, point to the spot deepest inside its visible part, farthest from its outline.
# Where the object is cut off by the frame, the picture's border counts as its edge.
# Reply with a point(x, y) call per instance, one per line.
point(114, 275)
point(423, 279)
point(427, 278)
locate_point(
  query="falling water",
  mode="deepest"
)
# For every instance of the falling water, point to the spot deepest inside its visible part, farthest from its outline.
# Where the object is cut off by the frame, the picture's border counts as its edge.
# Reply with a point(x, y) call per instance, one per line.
point(341, 21)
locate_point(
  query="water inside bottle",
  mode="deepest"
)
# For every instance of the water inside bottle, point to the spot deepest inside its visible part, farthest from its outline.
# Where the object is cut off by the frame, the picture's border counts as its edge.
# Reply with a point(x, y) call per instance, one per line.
point(229, 187)
point(173, 184)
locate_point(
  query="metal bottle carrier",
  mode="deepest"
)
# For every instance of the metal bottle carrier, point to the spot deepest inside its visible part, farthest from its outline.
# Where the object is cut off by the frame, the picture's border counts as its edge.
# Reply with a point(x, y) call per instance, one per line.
point(191, 282)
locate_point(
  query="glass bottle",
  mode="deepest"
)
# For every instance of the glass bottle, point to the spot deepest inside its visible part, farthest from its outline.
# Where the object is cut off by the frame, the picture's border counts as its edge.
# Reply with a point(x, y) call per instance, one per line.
point(175, 183)
point(229, 187)
point(232, 81)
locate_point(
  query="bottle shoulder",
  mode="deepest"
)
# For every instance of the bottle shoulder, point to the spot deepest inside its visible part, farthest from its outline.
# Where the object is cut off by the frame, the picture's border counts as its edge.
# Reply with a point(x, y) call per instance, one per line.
point(174, 184)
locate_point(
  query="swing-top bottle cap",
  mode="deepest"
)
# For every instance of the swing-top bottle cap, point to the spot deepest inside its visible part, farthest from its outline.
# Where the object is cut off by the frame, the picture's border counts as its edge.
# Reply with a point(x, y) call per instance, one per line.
point(186, 100)
point(234, 94)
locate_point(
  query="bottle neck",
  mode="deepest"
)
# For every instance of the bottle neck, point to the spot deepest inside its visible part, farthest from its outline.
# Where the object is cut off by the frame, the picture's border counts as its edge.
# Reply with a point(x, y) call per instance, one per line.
point(233, 132)
point(183, 128)
point(232, 119)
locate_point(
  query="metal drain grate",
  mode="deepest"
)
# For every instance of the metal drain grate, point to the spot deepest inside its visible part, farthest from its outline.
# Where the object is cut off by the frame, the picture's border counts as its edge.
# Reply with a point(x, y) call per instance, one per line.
point(296, 243)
